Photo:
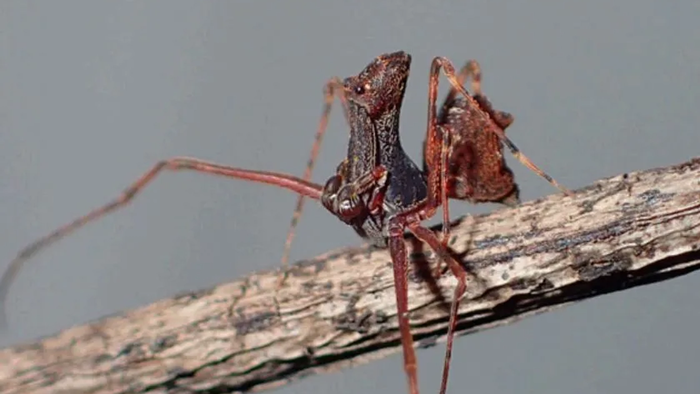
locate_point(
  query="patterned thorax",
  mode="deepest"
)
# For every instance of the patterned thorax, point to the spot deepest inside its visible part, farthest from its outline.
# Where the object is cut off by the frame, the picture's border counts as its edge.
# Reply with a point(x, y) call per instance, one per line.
point(374, 103)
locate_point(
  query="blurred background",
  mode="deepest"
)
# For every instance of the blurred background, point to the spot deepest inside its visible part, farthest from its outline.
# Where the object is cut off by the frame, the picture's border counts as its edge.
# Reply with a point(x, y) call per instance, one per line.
point(93, 93)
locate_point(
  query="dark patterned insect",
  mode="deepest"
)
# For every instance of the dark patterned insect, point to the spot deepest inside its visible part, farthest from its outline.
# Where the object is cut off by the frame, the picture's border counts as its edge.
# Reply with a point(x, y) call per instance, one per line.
point(381, 192)
point(476, 169)
point(377, 189)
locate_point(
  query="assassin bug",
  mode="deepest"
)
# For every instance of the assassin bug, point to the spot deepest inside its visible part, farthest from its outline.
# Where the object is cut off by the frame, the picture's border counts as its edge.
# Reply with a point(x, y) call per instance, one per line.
point(381, 192)
point(476, 169)
point(378, 189)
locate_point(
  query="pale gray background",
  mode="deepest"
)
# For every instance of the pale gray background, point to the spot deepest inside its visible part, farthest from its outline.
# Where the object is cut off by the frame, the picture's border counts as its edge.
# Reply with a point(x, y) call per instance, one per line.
point(93, 93)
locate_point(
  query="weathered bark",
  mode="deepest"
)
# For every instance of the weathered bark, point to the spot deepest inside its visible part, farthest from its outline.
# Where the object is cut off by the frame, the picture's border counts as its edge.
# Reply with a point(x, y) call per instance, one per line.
point(338, 309)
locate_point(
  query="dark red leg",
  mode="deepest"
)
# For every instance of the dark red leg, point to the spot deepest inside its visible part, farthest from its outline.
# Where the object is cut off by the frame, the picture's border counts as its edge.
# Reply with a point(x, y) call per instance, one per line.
point(397, 248)
point(471, 70)
point(289, 182)
point(435, 156)
point(460, 273)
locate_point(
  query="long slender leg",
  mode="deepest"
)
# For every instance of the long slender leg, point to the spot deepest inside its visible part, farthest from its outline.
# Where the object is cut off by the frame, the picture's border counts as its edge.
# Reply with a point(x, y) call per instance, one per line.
point(433, 145)
point(289, 182)
point(470, 70)
point(397, 248)
point(436, 155)
point(444, 154)
point(333, 87)
point(460, 273)
point(449, 71)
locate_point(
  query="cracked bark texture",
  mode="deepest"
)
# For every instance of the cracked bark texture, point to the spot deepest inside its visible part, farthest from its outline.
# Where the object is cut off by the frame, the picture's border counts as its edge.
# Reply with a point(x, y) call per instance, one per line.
point(338, 309)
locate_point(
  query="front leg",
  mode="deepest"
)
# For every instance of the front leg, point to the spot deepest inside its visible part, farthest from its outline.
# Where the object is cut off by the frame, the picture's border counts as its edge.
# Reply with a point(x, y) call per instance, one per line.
point(348, 200)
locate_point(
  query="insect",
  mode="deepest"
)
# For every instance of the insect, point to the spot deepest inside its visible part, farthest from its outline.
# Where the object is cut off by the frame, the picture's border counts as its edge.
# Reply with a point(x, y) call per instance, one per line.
point(476, 170)
point(377, 189)
point(381, 192)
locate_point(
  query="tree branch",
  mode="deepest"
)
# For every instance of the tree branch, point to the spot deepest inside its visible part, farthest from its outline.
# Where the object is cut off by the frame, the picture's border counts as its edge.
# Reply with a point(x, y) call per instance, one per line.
point(339, 309)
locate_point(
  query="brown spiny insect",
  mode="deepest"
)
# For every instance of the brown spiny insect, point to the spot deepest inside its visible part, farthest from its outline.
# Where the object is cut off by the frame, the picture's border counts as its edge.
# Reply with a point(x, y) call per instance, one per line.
point(381, 192)
point(476, 169)
point(377, 189)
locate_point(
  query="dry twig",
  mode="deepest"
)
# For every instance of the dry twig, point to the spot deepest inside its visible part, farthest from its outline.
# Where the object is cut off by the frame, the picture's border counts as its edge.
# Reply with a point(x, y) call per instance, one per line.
point(339, 309)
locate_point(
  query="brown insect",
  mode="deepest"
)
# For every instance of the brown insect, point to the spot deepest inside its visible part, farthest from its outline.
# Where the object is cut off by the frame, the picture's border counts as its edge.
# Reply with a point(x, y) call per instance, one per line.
point(476, 169)
point(379, 190)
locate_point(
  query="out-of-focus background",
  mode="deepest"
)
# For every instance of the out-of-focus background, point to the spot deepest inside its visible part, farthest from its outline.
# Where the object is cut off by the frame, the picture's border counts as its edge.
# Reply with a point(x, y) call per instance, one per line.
point(93, 93)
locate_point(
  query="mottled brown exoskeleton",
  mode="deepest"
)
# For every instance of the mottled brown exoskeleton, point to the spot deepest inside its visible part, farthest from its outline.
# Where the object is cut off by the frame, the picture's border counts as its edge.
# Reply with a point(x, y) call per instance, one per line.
point(477, 171)
point(380, 192)
point(377, 189)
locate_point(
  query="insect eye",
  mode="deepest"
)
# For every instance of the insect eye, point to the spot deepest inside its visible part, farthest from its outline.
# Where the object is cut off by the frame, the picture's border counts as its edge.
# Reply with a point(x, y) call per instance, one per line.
point(359, 89)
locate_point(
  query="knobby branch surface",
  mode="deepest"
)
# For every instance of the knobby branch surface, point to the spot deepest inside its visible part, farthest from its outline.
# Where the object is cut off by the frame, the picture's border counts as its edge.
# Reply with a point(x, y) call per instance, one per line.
point(338, 309)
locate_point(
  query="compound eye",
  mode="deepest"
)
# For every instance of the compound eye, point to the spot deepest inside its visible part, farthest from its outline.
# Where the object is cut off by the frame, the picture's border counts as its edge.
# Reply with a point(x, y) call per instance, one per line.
point(359, 89)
